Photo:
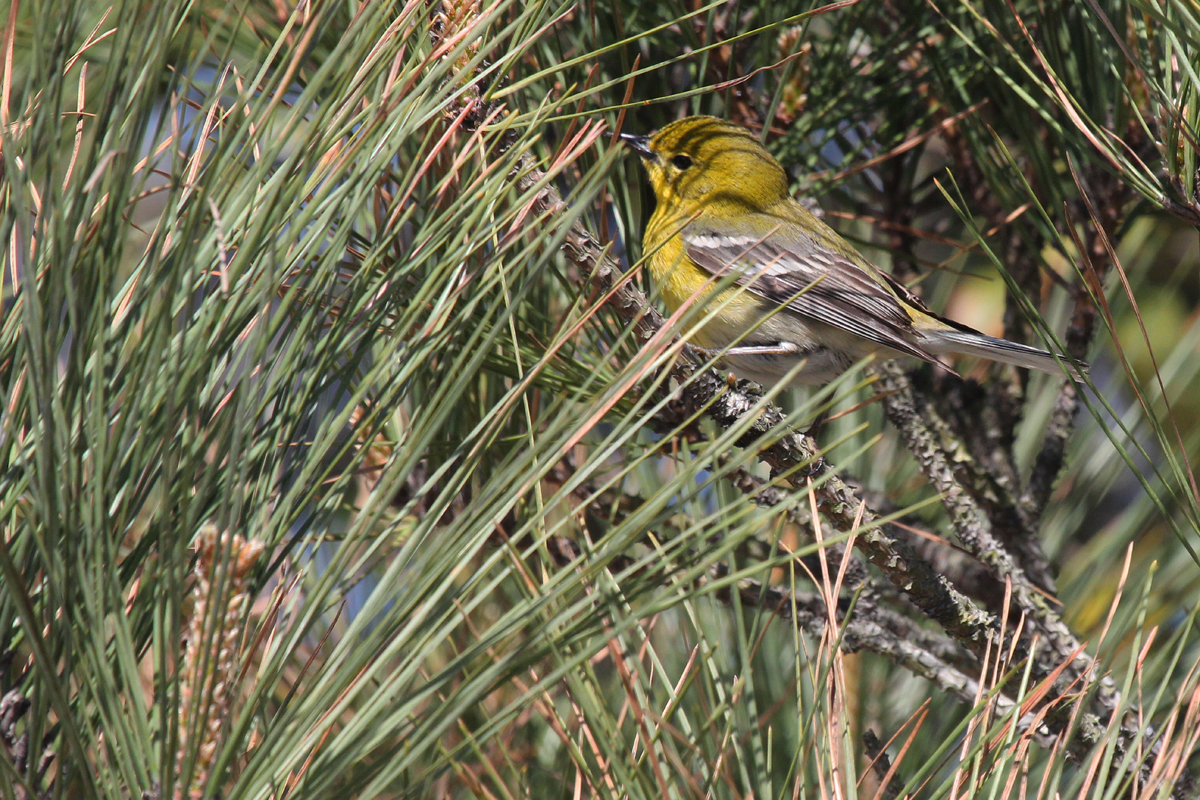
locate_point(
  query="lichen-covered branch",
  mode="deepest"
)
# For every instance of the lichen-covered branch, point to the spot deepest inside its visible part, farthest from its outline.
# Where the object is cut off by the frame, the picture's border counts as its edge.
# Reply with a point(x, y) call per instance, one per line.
point(794, 457)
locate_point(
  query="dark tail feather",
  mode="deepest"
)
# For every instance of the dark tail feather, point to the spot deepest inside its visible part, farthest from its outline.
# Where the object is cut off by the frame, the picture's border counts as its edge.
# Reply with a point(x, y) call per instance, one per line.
point(971, 343)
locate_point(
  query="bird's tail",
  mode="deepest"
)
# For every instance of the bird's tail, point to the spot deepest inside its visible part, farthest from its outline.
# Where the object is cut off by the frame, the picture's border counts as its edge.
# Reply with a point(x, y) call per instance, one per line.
point(973, 343)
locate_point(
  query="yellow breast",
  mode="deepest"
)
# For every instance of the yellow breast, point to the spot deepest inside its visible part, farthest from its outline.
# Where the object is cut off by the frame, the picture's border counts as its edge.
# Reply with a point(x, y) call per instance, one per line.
point(731, 311)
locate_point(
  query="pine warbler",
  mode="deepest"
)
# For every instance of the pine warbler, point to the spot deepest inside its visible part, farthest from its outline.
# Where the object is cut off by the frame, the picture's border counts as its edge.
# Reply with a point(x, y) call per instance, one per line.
point(799, 293)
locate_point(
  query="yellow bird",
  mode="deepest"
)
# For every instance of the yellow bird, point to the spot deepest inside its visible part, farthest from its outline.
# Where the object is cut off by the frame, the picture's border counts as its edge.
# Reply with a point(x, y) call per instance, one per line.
point(800, 292)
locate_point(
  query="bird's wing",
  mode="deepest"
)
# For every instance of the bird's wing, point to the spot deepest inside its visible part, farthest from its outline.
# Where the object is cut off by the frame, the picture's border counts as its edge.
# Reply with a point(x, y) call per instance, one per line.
point(809, 274)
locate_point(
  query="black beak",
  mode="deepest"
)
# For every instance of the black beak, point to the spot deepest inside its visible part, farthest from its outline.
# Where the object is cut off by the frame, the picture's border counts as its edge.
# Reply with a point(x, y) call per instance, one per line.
point(639, 145)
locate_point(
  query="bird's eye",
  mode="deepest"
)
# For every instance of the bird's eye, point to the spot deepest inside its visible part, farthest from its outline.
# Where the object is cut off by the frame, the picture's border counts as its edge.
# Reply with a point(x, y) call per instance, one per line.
point(681, 162)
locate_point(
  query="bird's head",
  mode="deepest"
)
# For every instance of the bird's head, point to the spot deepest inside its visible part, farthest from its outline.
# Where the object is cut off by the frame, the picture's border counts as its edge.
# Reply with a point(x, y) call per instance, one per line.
point(705, 160)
